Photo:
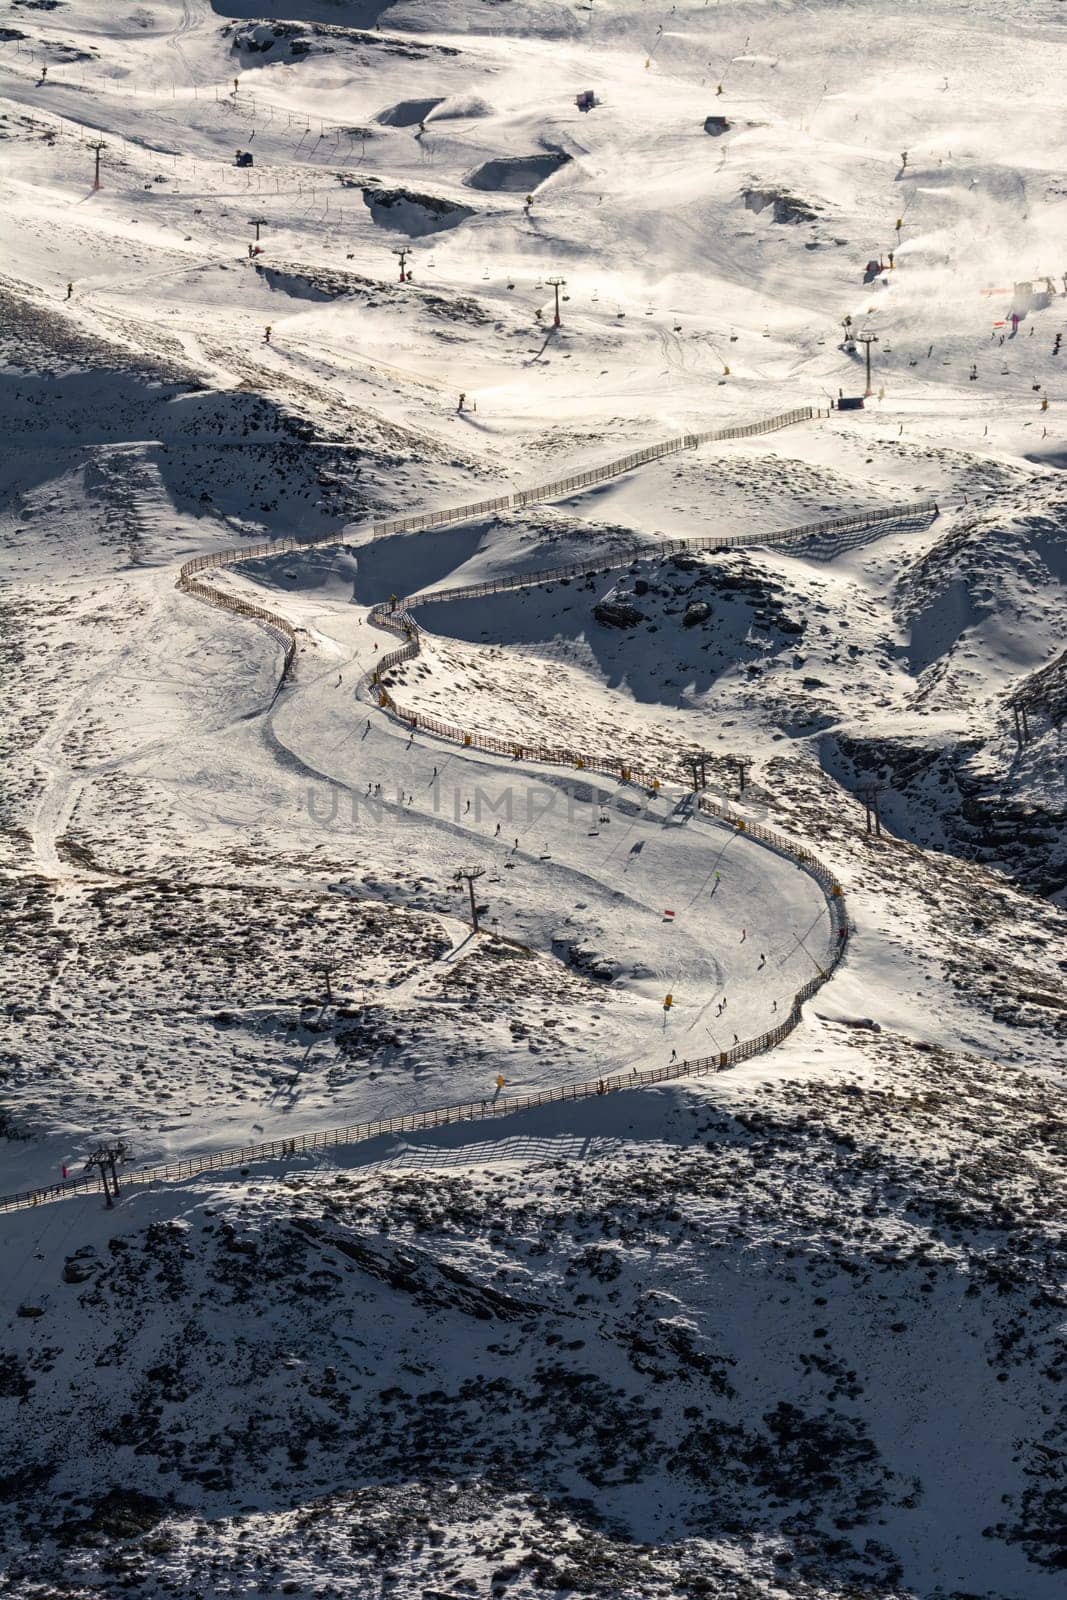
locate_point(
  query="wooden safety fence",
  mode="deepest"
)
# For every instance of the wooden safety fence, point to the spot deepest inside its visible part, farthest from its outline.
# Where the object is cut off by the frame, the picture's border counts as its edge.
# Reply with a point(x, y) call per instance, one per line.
point(397, 618)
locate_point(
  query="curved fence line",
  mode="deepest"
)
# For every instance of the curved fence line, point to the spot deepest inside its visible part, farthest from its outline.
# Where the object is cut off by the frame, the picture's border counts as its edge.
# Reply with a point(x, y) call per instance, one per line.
point(671, 547)
point(397, 618)
point(452, 514)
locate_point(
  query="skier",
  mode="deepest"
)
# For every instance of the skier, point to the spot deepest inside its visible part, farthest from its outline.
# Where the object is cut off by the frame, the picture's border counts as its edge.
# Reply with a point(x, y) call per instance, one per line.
point(266, 340)
point(466, 808)
point(744, 935)
point(497, 833)
point(674, 1055)
point(762, 962)
point(337, 685)
point(70, 290)
point(462, 398)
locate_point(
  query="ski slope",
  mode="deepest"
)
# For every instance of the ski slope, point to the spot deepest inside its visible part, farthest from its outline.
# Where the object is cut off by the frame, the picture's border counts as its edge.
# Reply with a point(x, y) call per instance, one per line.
point(787, 1329)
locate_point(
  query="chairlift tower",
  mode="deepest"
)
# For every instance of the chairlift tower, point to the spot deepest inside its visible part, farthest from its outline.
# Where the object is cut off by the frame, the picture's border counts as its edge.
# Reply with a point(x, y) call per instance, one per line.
point(867, 339)
point(697, 762)
point(105, 1158)
point(471, 876)
point(869, 793)
point(96, 146)
point(402, 251)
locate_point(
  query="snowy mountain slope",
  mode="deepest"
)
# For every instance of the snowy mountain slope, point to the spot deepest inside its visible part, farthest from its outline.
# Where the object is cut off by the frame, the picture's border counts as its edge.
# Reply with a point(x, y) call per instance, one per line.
point(829, 1369)
point(714, 1324)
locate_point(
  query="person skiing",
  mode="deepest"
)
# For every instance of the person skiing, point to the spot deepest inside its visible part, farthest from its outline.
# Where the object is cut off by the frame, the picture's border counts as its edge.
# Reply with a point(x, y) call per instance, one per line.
point(744, 935)
point(674, 1055)
point(266, 340)
point(70, 290)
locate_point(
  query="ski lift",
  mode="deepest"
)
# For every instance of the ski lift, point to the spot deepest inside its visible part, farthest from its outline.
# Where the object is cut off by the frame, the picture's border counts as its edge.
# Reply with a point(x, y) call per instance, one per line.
point(431, 262)
point(596, 297)
point(651, 311)
point(1005, 370)
point(485, 274)
point(620, 312)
